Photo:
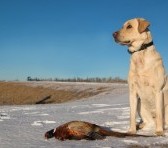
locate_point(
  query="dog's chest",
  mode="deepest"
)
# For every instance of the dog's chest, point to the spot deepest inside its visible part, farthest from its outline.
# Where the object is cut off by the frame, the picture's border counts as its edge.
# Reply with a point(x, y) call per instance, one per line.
point(141, 71)
point(143, 84)
point(139, 63)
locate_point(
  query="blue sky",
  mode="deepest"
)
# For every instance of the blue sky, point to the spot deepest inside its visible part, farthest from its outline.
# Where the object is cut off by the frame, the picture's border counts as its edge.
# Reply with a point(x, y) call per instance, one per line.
point(72, 38)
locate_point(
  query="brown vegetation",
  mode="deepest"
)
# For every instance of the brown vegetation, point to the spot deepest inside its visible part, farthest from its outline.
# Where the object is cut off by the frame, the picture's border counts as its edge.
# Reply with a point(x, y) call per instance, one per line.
point(15, 93)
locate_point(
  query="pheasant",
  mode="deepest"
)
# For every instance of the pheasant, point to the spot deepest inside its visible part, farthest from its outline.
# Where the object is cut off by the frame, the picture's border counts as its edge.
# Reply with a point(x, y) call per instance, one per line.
point(77, 130)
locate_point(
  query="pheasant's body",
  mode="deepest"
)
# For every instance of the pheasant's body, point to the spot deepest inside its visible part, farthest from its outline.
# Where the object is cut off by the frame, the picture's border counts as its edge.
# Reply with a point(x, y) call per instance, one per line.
point(75, 130)
point(82, 130)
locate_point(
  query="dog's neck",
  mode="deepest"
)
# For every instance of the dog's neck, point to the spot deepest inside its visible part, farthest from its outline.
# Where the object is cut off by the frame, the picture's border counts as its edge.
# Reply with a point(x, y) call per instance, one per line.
point(143, 47)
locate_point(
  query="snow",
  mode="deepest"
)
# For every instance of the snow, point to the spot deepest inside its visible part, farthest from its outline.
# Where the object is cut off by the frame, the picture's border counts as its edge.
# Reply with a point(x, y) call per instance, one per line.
point(24, 126)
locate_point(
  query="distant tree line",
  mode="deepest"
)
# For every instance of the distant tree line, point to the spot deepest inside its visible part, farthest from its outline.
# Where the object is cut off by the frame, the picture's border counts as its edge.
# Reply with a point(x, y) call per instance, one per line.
point(78, 79)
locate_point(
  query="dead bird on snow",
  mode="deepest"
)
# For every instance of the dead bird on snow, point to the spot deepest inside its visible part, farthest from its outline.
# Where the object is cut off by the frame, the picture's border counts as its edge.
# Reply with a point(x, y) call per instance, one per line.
point(77, 130)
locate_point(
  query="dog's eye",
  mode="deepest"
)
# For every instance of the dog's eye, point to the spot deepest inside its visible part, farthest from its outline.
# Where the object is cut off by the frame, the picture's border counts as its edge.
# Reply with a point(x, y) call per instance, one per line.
point(129, 27)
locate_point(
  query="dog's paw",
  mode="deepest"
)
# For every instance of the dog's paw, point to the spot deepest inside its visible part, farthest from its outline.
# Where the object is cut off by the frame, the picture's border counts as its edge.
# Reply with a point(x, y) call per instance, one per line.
point(159, 133)
point(131, 131)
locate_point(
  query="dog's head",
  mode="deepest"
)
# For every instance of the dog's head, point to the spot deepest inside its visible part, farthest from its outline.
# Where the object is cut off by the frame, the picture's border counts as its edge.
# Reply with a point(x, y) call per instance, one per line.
point(134, 34)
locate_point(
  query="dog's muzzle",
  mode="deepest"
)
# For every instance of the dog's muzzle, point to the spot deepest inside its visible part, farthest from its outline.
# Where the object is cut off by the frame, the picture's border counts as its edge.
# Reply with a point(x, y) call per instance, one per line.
point(115, 35)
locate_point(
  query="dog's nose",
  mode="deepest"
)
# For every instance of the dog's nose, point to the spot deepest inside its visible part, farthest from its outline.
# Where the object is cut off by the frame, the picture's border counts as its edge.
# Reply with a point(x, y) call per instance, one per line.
point(115, 34)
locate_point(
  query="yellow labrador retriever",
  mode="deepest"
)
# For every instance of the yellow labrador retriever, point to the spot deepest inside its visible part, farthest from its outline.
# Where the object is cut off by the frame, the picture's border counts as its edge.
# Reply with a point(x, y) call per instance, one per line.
point(148, 90)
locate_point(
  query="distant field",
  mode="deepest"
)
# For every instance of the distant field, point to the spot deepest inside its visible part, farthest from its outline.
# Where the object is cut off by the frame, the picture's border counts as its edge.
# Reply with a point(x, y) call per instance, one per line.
point(18, 94)
point(21, 93)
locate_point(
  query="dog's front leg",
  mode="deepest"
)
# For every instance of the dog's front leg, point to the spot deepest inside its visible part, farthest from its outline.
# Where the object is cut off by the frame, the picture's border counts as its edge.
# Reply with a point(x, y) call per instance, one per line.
point(133, 110)
point(159, 113)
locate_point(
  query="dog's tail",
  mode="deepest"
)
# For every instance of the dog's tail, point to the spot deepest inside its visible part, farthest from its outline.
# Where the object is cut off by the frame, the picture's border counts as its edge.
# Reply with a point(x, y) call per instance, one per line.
point(49, 134)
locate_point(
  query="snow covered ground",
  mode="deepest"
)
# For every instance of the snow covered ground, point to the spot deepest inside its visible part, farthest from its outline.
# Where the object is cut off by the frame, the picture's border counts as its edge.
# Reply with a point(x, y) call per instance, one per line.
point(24, 126)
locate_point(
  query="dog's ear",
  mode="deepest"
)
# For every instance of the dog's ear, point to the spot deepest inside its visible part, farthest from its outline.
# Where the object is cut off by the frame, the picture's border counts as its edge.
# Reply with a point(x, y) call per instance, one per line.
point(143, 25)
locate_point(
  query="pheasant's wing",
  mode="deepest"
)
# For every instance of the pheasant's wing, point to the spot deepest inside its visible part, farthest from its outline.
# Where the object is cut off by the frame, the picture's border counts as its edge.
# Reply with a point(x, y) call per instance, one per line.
point(95, 136)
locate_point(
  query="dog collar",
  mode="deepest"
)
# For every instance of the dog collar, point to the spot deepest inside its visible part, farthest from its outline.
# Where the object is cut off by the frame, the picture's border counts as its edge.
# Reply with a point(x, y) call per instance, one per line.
point(144, 46)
